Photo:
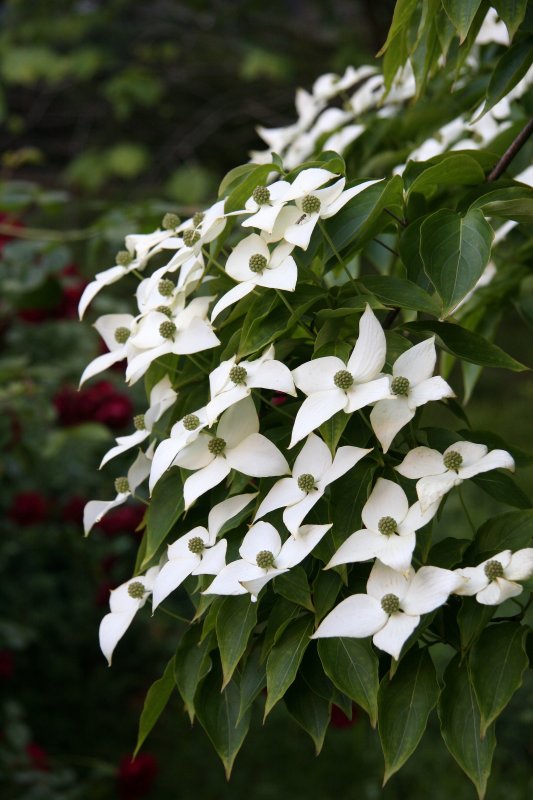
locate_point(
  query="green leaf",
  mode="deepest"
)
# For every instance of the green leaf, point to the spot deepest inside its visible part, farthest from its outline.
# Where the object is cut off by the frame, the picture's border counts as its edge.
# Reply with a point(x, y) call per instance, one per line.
point(511, 531)
point(218, 713)
point(461, 14)
point(468, 345)
point(509, 70)
point(460, 726)
point(253, 681)
point(192, 664)
point(512, 12)
point(456, 169)
point(348, 496)
point(294, 586)
point(155, 702)
point(455, 251)
point(165, 507)
point(513, 202)
point(472, 618)
point(448, 553)
point(400, 292)
point(332, 430)
point(326, 589)
point(403, 11)
point(404, 704)
point(309, 710)
point(352, 665)
point(497, 663)
point(284, 659)
point(502, 487)
point(236, 619)
point(243, 190)
point(281, 614)
point(266, 318)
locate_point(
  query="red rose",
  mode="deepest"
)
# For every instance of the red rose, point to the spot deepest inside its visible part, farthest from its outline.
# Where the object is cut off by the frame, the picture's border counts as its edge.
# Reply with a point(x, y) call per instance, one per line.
point(99, 403)
point(122, 519)
point(136, 778)
point(73, 510)
point(29, 508)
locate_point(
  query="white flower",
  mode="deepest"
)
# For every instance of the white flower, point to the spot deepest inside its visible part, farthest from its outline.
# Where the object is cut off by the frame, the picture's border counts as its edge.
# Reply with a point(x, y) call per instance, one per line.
point(252, 264)
point(237, 445)
point(494, 580)
point(412, 386)
point(183, 432)
point(263, 557)
point(157, 335)
point(162, 397)
point(389, 532)
point(231, 382)
point(332, 385)
point(124, 603)
point(330, 85)
point(197, 552)
point(157, 291)
point(125, 486)
point(196, 232)
point(115, 330)
point(314, 469)
point(439, 473)
point(392, 608)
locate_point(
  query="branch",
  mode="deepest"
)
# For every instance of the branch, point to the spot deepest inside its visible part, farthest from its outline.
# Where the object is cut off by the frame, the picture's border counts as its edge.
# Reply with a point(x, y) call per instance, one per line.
point(513, 149)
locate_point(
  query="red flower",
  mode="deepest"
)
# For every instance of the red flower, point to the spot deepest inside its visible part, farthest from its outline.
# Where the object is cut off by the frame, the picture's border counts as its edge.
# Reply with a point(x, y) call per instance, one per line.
point(122, 519)
point(99, 403)
point(29, 508)
point(73, 510)
point(38, 757)
point(136, 778)
point(339, 718)
point(7, 664)
point(101, 598)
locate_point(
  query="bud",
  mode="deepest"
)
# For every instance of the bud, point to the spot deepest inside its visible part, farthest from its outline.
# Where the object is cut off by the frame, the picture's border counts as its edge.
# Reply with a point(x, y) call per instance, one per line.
point(265, 559)
point(310, 204)
point(257, 263)
point(452, 460)
point(191, 422)
point(165, 287)
point(122, 485)
point(238, 375)
point(196, 545)
point(139, 423)
point(198, 218)
point(170, 222)
point(167, 329)
point(493, 570)
point(216, 445)
point(390, 603)
point(136, 590)
point(122, 335)
point(387, 526)
point(123, 258)
point(261, 195)
point(190, 237)
point(306, 482)
point(400, 386)
point(343, 379)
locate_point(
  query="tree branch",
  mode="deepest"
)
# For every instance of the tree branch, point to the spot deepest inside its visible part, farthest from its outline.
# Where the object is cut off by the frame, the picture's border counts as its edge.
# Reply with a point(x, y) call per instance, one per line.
point(513, 149)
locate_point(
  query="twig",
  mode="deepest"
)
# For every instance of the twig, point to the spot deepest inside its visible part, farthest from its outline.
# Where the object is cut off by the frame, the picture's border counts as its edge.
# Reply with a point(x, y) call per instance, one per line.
point(42, 234)
point(403, 222)
point(513, 149)
point(386, 246)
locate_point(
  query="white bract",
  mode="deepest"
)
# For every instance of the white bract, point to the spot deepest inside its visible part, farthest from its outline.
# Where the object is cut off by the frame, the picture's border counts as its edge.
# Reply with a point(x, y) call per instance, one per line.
point(263, 557)
point(162, 397)
point(412, 385)
point(232, 381)
point(313, 471)
point(495, 580)
point(392, 608)
point(115, 330)
point(390, 529)
point(440, 472)
point(252, 264)
point(332, 385)
point(183, 432)
point(124, 602)
point(198, 552)
point(237, 445)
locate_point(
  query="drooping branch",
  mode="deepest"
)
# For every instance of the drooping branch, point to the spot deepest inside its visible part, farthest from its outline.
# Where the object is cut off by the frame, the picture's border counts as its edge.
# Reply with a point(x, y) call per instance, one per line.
point(513, 149)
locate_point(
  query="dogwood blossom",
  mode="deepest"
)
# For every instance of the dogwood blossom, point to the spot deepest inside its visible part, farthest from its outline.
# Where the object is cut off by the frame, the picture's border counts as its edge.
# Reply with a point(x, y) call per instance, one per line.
point(412, 385)
point(162, 398)
point(231, 382)
point(198, 552)
point(390, 529)
point(392, 607)
point(438, 473)
point(263, 557)
point(124, 602)
point(125, 486)
point(252, 264)
point(299, 493)
point(115, 330)
point(182, 433)
point(237, 445)
point(495, 580)
point(332, 385)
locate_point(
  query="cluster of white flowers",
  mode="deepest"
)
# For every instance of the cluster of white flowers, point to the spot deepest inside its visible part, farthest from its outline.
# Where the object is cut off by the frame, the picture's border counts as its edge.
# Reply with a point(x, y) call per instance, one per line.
point(178, 315)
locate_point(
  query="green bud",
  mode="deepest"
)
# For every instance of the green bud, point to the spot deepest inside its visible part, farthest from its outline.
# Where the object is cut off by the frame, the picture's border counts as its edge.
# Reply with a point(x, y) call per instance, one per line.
point(170, 222)
point(387, 526)
point(257, 263)
point(390, 603)
point(493, 570)
point(238, 375)
point(190, 422)
point(165, 287)
point(306, 482)
point(190, 237)
point(310, 204)
point(198, 218)
point(122, 335)
point(166, 310)
point(343, 379)
point(123, 258)
point(261, 195)
point(167, 329)
point(122, 485)
point(196, 545)
point(136, 590)
point(216, 445)
point(400, 386)
point(265, 559)
point(453, 460)
point(138, 421)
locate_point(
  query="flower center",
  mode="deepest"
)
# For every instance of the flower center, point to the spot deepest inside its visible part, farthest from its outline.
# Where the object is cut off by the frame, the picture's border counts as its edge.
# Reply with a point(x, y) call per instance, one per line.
point(493, 570)
point(196, 545)
point(167, 329)
point(261, 195)
point(343, 379)
point(123, 258)
point(136, 590)
point(216, 445)
point(122, 485)
point(387, 526)
point(198, 218)
point(170, 222)
point(122, 335)
point(164, 310)
point(165, 287)
point(400, 386)
point(390, 603)
point(190, 422)
point(238, 375)
point(190, 237)
point(452, 460)
point(265, 559)
point(257, 263)
point(138, 421)
point(306, 482)
point(310, 204)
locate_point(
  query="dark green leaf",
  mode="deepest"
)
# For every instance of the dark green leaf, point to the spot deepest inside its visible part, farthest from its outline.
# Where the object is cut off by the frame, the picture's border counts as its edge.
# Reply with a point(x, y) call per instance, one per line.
point(252, 682)
point(404, 705)
point(456, 169)
point(294, 586)
point(192, 665)
point(284, 659)
point(448, 553)
point(165, 508)
point(513, 202)
point(511, 531)
point(280, 616)
point(352, 665)
point(460, 726)
point(472, 618)
point(309, 710)
point(461, 14)
point(455, 251)
point(501, 487)
point(236, 619)
point(326, 589)
point(510, 69)
point(403, 11)
point(332, 430)
point(155, 702)
point(244, 188)
point(348, 496)
point(512, 12)
point(266, 318)
point(402, 293)
point(497, 663)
